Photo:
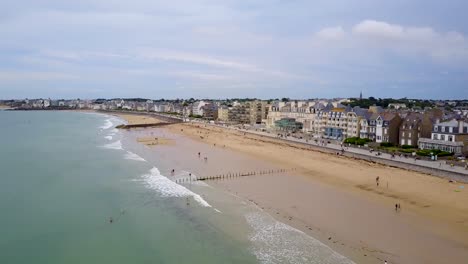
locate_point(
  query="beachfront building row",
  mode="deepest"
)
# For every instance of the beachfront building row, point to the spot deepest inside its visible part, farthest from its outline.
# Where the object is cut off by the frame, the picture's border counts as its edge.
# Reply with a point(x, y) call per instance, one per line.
point(330, 120)
point(338, 122)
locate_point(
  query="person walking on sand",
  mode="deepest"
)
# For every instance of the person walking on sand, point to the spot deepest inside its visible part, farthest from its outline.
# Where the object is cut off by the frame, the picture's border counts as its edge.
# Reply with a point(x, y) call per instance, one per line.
point(396, 207)
point(377, 180)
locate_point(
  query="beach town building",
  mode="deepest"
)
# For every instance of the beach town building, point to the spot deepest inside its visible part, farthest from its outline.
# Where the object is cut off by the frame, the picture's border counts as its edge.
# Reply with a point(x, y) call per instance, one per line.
point(417, 125)
point(288, 124)
point(162, 107)
point(396, 106)
point(257, 111)
point(334, 122)
point(250, 112)
point(301, 111)
point(387, 128)
point(450, 135)
point(210, 111)
point(197, 108)
point(368, 125)
point(354, 121)
point(223, 114)
point(239, 114)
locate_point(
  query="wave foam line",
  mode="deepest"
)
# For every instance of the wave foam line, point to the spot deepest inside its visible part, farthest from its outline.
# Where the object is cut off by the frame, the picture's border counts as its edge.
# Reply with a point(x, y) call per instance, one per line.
point(108, 124)
point(276, 242)
point(114, 145)
point(132, 156)
point(167, 188)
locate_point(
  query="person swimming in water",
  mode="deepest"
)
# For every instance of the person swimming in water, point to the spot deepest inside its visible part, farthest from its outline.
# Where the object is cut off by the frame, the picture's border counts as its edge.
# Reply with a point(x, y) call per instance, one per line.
point(111, 220)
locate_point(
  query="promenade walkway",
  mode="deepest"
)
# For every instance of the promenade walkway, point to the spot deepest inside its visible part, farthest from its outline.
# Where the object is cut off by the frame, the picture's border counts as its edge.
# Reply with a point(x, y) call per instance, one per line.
point(439, 165)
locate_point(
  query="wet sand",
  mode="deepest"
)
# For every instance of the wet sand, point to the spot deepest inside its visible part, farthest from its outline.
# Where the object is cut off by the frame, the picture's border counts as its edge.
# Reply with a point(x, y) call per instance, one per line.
point(344, 210)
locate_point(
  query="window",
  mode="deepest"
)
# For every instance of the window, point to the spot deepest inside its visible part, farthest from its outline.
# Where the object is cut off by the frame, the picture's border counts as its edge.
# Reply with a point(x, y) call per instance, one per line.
point(409, 134)
point(442, 137)
point(385, 131)
point(442, 129)
point(403, 135)
point(435, 128)
point(434, 136)
point(450, 138)
point(450, 129)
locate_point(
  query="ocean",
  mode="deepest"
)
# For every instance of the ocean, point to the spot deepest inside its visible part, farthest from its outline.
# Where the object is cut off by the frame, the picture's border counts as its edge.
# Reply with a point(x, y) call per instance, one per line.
point(76, 190)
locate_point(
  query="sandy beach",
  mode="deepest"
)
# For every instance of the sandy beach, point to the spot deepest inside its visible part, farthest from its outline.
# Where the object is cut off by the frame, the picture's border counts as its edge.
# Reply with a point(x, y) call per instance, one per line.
point(336, 199)
point(135, 119)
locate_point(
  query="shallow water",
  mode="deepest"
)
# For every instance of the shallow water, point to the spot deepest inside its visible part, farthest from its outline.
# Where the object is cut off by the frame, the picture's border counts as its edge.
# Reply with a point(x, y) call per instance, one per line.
point(61, 182)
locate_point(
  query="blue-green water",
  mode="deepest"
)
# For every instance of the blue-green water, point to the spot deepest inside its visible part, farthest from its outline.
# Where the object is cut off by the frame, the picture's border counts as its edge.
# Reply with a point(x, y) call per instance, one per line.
point(60, 187)
point(65, 175)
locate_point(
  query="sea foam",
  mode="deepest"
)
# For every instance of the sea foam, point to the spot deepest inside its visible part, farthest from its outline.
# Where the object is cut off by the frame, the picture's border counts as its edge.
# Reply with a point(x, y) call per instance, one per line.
point(276, 242)
point(132, 156)
point(167, 188)
point(108, 124)
point(108, 137)
point(114, 145)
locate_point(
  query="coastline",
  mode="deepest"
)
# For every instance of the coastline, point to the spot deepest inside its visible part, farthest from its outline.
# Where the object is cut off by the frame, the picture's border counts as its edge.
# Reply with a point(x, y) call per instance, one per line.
point(445, 222)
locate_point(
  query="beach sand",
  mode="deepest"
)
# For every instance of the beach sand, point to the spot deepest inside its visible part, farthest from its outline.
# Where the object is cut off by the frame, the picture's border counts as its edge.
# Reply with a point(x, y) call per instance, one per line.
point(336, 200)
point(135, 119)
point(155, 141)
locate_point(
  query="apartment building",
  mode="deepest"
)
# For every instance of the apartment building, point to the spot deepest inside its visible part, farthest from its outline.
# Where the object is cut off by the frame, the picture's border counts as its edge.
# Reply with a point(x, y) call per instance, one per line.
point(210, 111)
point(302, 111)
point(418, 125)
point(450, 135)
point(223, 114)
point(197, 108)
point(387, 128)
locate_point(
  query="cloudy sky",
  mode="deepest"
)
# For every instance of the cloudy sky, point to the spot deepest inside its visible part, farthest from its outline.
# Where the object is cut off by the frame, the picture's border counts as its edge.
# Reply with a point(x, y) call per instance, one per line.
point(233, 48)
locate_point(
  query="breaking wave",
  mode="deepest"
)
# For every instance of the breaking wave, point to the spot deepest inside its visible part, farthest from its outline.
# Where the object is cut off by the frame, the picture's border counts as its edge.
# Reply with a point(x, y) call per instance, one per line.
point(132, 156)
point(167, 188)
point(114, 145)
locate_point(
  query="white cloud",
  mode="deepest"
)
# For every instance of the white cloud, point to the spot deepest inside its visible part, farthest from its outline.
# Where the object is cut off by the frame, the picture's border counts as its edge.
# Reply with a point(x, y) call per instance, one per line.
point(446, 47)
point(331, 33)
point(374, 28)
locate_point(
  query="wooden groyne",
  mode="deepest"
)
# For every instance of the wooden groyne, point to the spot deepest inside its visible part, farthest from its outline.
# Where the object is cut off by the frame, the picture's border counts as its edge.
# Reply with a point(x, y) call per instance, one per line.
point(232, 175)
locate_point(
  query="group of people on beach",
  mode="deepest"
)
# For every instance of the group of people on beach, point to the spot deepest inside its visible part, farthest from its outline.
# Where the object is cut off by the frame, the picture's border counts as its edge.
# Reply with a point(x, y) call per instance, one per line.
point(397, 207)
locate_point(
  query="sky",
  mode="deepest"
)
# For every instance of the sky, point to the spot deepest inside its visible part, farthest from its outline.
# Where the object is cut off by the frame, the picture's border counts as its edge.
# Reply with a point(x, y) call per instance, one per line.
point(233, 48)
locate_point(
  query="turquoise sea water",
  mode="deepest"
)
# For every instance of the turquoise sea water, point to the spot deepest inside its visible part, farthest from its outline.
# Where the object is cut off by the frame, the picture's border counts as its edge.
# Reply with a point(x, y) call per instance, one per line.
point(65, 175)
point(62, 181)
